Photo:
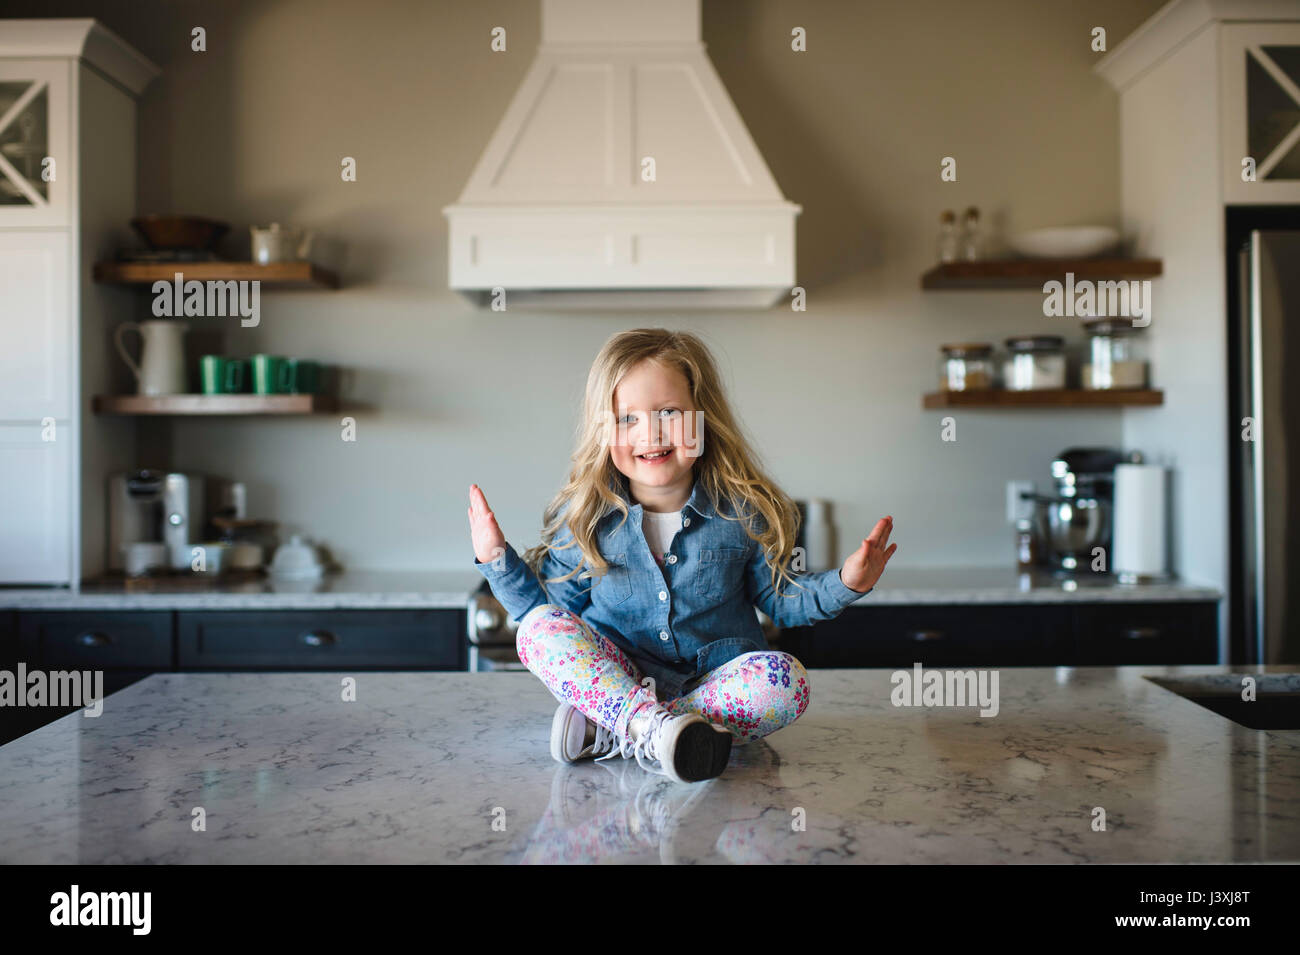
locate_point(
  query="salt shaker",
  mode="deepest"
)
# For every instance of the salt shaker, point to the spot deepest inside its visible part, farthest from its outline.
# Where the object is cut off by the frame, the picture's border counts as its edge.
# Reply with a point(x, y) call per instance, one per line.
point(948, 238)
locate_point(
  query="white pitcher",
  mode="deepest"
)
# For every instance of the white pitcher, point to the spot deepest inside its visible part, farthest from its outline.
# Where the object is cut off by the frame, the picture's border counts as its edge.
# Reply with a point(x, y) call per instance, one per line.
point(161, 370)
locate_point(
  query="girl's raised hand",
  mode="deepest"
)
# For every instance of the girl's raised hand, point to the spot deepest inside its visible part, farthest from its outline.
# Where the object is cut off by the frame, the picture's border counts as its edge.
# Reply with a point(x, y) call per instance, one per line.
point(489, 542)
point(865, 565)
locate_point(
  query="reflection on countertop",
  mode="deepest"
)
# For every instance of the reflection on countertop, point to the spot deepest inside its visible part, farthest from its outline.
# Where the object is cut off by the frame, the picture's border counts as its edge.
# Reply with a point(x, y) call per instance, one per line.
point(421, 765)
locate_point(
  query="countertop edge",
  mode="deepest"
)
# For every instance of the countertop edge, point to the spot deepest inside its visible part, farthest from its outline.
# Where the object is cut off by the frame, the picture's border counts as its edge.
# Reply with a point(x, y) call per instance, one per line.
point(452, 590)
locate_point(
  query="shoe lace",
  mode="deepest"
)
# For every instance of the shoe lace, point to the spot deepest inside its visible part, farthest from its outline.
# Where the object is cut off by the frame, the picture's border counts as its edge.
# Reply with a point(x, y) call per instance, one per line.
point(605, 742)
point(644, 747)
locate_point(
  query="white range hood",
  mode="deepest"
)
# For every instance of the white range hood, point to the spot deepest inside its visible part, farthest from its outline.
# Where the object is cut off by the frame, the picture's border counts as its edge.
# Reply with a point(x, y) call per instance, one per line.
point(561, 210)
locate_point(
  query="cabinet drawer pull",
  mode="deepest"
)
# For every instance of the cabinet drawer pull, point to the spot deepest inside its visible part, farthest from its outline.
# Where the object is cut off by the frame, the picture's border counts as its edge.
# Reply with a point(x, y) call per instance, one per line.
point(1142, 633)
point(319, 638)
point(92, 639)
point(925, 636)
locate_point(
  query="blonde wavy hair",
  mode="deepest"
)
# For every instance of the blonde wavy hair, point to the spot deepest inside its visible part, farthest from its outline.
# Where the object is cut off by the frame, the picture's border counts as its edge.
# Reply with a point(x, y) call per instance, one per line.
point(727, 468)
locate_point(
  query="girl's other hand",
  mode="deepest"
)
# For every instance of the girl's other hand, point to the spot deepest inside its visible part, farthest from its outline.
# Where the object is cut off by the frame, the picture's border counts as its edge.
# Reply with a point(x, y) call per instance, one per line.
point(489, 542)
point(865, 565)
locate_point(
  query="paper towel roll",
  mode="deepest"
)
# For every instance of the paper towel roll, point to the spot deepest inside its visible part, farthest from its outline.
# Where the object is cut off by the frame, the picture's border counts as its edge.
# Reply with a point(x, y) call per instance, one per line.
point(1140, 528)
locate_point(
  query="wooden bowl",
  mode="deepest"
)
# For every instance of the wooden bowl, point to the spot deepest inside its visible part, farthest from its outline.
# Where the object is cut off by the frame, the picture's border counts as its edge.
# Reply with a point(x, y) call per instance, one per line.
point(180, 232)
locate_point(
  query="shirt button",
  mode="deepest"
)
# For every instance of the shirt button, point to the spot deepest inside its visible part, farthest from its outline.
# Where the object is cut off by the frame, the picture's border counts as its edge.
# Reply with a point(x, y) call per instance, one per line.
point(686, 522)
point(663, 595)
point(663, 635)
point(672, 558)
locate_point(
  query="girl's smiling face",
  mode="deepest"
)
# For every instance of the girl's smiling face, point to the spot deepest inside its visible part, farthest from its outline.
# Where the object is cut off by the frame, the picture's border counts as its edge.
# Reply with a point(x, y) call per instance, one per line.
point(649, 446)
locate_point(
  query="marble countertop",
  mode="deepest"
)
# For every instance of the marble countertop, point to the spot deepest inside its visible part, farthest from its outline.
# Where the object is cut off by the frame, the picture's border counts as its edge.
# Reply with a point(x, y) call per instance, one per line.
point(393, 590)
point(999, 585)
point(422, 765)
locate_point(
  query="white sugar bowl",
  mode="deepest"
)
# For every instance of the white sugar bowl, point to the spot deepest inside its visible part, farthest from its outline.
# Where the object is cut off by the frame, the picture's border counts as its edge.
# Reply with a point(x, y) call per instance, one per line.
point(297, 560)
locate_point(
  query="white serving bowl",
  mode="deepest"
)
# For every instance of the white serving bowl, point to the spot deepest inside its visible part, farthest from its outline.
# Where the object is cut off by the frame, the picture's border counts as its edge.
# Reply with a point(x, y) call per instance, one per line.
point(244, 556)
point(142, 557)
point(1065, 242)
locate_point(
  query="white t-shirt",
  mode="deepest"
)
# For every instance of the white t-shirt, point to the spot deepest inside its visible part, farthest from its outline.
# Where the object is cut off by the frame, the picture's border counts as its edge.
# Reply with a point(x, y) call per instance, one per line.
point(660, 530)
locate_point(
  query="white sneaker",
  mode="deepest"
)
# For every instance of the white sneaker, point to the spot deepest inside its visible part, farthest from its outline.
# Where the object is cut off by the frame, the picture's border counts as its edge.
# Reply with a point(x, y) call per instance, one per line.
point(574, 737)
point(687, 748)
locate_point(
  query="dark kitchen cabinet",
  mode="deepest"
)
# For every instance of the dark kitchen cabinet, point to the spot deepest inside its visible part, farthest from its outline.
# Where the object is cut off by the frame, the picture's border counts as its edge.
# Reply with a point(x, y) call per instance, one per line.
point(88, 640)
point(11, 720)
point(124, 647)
point(934, 635)
point(129, 646)
point(1132, 634)
point(310, 640)
point(8, 639)
point(1023, 634)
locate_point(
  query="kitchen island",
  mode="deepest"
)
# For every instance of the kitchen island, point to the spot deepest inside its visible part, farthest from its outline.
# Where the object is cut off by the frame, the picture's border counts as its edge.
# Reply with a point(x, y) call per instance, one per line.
point(454, 767)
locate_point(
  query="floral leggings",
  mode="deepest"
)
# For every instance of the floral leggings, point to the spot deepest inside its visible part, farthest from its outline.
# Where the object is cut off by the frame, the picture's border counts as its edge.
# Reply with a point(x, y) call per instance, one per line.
point(753, 695)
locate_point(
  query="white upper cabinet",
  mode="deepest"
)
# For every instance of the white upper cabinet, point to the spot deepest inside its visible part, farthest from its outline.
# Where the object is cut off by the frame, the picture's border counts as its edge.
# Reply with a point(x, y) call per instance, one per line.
point(36, 159)
point(36, 521)
point(39, 110)
point(1252, 104)
point(1260, 81)
point(67, 89)
point(36, 350)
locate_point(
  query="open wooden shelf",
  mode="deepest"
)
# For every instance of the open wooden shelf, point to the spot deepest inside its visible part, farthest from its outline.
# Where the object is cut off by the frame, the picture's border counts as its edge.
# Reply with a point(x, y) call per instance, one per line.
point(212, 404)
point(1056, 398)
point(1032, 273)
point(278, 275)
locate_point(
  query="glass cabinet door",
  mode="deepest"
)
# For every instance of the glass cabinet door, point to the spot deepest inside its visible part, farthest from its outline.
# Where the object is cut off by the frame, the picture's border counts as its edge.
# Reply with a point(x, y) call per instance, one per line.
point(1273, 110)
point(35, 165)
point(24, 143)
point(1261, 111)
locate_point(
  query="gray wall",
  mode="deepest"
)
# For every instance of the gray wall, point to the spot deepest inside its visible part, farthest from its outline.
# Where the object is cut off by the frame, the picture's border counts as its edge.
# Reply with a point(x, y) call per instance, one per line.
point(445, 395)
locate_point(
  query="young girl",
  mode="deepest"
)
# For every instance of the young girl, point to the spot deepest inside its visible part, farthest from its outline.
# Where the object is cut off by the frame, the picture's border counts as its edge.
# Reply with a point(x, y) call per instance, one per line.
point(637, 609)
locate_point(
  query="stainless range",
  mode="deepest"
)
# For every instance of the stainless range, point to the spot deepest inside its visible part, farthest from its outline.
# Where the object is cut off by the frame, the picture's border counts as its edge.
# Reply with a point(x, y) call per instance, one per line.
point(491, 634)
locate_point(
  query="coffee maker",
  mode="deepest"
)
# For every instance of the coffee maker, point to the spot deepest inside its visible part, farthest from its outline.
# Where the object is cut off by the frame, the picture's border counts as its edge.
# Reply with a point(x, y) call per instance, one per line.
point(1079, 518)
point(152, 506)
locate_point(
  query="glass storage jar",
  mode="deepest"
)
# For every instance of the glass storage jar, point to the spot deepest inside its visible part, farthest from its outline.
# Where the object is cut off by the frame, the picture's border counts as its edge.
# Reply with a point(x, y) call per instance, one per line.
point(966, 367)
point(1116, 355)
point(1035, 363)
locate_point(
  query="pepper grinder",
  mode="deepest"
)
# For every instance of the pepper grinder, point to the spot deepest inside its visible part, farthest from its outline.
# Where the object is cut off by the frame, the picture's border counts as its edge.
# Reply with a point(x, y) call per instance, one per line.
point(972, 241)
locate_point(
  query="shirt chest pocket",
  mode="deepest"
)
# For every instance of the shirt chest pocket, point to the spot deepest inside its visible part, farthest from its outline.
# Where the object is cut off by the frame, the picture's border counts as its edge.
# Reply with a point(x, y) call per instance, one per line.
point(721, 572)
point(616, 586)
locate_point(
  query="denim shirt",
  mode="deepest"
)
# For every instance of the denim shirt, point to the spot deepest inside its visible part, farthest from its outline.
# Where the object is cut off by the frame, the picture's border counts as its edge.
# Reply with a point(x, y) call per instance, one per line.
point(680, 621)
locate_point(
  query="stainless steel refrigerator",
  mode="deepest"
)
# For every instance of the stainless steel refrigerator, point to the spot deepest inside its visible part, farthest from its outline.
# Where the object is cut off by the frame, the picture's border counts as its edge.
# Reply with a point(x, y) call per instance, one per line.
point(1268, 382)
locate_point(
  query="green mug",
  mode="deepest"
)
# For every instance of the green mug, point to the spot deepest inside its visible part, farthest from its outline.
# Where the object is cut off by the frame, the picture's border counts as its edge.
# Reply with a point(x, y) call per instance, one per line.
point(221, 375)
point(270, 375)
point(303, 377)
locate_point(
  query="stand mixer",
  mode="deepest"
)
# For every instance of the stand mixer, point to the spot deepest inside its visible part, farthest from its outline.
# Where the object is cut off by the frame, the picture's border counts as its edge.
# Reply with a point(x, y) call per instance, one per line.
point(1079, 518)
